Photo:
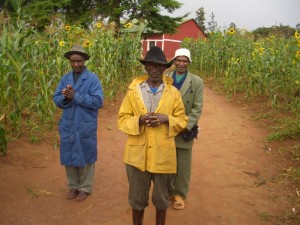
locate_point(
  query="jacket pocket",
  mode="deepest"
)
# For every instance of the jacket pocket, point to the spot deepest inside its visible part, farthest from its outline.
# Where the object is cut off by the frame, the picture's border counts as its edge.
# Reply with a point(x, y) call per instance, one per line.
point(88, 130)
point(65, 128)
point(136, 149)
point(136, 139)
point(166, 152)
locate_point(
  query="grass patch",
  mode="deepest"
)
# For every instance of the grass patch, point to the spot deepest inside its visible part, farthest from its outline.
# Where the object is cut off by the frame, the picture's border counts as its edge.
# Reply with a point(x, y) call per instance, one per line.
point(265, 216)
point(285, 129)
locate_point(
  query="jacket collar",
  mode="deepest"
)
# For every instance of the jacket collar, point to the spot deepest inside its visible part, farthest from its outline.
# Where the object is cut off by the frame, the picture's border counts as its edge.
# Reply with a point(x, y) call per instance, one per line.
point(137, 81)
point(186, 84)
point(80, 80)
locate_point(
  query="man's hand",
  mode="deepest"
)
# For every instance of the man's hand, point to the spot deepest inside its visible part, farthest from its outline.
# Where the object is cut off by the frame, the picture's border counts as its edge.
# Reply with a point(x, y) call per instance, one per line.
point(68, 92)
point(153, 119)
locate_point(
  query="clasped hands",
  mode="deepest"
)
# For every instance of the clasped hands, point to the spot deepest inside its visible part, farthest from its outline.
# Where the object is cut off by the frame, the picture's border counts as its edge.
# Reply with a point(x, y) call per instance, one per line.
point(153, 119)
point(68, 92)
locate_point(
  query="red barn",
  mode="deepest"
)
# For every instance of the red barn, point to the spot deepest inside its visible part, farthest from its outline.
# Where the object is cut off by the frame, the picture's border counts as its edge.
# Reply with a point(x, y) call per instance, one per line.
point(170, 42)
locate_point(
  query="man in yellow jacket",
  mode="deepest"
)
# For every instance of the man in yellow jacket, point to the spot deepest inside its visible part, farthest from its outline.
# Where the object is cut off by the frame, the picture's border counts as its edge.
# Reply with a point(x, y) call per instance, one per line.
point(152, 114)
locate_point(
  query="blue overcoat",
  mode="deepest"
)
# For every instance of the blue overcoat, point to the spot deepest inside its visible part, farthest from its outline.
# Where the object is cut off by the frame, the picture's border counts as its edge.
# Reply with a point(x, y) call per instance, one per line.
point(78, 123)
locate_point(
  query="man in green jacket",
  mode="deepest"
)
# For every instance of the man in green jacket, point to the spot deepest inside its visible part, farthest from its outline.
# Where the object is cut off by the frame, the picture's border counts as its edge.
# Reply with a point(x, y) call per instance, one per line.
point(151, 114)
point(191, 90)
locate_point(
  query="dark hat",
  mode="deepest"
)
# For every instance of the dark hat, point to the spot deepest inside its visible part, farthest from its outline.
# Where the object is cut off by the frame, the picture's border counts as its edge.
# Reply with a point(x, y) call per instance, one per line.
point(155, 55)
point(77, 49)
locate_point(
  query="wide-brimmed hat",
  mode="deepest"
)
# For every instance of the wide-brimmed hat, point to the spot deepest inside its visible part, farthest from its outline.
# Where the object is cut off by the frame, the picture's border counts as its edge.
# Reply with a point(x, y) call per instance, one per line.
point(77, 49)
point(183, 52)
point(155, 55)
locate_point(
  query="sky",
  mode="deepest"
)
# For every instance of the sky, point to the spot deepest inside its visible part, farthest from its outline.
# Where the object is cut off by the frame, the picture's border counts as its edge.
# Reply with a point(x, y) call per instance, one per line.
point(245, 14)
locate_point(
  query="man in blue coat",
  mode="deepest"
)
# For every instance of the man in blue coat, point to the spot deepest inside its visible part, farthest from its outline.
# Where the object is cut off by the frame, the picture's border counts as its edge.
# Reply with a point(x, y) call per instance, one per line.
point(79, 95)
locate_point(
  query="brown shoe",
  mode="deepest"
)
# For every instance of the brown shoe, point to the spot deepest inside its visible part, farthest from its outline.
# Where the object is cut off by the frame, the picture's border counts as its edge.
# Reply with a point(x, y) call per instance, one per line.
point(72, 194)
point(81, 196)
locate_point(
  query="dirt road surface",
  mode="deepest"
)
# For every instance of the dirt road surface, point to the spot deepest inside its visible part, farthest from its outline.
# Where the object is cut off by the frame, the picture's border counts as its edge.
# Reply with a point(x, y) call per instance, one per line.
point(231, 177)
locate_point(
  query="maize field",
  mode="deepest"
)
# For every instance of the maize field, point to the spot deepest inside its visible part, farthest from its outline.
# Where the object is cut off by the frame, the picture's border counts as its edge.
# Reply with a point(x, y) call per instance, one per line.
point(31, 65)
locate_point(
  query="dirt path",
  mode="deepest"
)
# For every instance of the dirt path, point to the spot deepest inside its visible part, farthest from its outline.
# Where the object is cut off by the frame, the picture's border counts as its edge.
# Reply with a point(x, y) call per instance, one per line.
point(224, 190)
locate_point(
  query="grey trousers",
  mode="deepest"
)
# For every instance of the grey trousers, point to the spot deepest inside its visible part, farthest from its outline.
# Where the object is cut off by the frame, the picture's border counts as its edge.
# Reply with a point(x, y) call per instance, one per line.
point(81, 178)
point(139, 188)
point(183, 176)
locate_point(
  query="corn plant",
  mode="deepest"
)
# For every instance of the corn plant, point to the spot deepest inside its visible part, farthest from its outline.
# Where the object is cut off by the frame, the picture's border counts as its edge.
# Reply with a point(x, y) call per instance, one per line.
point(31, 65)
point(268, 67)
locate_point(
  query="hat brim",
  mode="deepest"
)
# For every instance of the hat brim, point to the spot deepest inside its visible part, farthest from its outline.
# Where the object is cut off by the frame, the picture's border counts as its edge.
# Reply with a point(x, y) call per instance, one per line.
point(85, 56)
point(167, 64)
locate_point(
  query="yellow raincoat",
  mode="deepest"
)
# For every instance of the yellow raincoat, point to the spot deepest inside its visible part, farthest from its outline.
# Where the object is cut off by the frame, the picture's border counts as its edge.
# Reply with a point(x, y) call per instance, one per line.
point(152, 148)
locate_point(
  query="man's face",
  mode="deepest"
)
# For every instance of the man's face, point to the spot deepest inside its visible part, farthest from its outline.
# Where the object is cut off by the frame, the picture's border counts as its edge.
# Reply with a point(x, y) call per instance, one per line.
point(154, 70)
point(181, 63)
point(77, 62)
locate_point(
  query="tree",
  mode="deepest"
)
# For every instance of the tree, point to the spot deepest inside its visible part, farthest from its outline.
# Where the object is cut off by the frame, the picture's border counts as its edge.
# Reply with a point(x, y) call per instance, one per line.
point(41, 12)
point(144, 11)
point(84, 12)
point(212, 24)
point(232, 25)
point(282, 31)
point(38, 13)
point(200, 18)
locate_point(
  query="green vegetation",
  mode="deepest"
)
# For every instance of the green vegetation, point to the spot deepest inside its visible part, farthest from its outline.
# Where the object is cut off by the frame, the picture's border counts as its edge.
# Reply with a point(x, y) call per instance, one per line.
point(31, 64)
point(261, 66)
point(41, 13)
point(265, 216)
point(267, 68)
point(264, 64)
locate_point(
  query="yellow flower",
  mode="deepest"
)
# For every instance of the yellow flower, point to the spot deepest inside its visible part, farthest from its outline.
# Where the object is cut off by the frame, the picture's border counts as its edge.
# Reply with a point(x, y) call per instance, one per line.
point(67, 28)
point(298, 43)
point(87, 43)
point(297, 35)
point(261, 50)
point(62, 43)
point(99, 24)
point(128, 25)
point(298, 54)
point(297, 82)
point(234, 61)
point(231, 31)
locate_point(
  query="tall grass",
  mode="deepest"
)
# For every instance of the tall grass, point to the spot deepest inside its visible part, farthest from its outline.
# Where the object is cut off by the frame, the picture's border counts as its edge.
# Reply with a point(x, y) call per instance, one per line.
point(31, 65)
point(268, 67)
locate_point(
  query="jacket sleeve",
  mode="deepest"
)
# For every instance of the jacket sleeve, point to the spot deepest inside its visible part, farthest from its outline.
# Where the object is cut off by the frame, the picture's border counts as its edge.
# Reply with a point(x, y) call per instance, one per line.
point(128, 122)
point(178, 120)
point(58, 97)
point(93, 99)
point(196, 110)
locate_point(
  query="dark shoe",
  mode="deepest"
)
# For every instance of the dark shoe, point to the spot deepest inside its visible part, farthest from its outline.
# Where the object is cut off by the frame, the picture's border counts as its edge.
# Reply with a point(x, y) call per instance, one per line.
point(81, 196)
point(72, 194)
point(137, 217)
point(161, 217)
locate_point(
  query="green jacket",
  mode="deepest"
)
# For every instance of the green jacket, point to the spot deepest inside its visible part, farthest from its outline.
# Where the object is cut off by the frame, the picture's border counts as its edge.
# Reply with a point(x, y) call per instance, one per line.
point(192, 96)
point(147, 148)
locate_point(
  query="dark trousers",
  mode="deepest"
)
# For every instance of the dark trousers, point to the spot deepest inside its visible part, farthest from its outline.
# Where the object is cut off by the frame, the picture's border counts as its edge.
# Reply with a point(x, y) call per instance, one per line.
point(139, 188)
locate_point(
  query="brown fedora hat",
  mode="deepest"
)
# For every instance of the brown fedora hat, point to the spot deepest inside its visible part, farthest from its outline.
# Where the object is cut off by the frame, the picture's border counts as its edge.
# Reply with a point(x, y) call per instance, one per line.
point(77, 49)
point(155, 55)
